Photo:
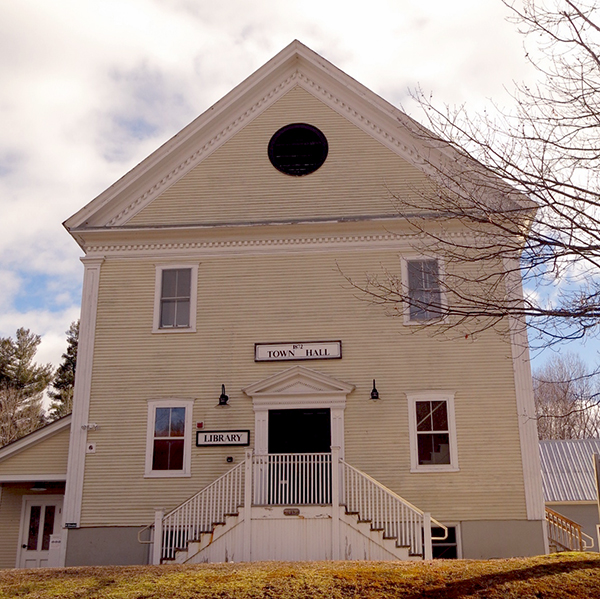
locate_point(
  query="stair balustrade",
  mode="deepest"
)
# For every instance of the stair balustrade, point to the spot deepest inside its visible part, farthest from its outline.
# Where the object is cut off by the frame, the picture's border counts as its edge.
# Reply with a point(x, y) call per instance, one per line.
point(200, 513)
point(294, 479)
point(387, 511)
point(566, 535)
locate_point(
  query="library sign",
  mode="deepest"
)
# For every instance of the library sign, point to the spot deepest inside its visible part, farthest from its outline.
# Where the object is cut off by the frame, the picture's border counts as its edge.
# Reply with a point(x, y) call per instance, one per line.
point(311, 350)
point(208, 438)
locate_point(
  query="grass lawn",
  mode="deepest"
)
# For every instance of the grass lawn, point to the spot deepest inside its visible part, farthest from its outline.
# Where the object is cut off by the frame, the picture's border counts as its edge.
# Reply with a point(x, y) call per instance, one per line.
point(568, 575)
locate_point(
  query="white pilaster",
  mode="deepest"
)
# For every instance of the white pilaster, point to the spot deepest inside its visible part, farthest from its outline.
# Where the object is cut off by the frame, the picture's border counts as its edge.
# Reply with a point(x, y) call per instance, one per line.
point(248, 476)
point(530, 452)
point(81, 398)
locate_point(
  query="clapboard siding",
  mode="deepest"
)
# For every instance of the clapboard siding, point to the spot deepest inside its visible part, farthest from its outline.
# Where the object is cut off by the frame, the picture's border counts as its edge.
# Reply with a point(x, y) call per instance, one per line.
point(48, 456)
point(292, 297)
point(238, 183)
point(10, 516)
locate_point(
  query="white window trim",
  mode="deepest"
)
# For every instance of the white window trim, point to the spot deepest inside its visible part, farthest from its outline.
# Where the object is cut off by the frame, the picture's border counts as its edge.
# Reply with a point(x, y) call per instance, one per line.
point(448, 397)
point(405, 289)
point(193, 298)
point(188, 404)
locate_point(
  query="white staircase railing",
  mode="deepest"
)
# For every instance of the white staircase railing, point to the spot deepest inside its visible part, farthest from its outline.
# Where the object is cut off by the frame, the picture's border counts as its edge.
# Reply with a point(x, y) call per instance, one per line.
point(387, 511)
point(199, 513)
point(566, 535)
point(292, 479)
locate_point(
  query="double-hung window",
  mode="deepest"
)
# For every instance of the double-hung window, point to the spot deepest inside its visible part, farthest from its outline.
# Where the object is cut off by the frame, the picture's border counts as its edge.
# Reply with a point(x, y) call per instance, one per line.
point(422, 284)
point(168, 444)
point(175, 298)
point(432, 431)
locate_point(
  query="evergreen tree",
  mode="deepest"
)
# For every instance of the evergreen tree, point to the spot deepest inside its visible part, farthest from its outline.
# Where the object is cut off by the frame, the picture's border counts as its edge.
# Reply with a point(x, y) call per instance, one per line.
point(64, 379)
point(22, 385)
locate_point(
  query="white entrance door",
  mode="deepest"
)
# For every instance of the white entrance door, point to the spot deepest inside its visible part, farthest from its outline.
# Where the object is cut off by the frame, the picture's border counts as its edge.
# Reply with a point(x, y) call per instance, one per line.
point(41, 518)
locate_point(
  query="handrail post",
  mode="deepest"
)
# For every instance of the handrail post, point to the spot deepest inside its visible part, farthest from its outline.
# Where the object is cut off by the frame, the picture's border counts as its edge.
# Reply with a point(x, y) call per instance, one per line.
point(427, 551)
point(335, 502)
point(159, 514)
point(248, 506)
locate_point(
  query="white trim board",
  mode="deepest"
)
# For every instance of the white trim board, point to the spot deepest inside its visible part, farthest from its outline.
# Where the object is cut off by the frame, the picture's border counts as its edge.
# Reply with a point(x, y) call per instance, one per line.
point(25, 478)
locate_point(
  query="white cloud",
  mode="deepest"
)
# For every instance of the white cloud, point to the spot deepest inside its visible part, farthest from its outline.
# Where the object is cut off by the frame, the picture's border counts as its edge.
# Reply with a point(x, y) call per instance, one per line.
point(90, 88)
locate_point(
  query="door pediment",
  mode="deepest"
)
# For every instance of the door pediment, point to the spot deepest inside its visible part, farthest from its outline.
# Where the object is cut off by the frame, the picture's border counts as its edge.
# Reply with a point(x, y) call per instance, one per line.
point(298, 388)
point(294, 384)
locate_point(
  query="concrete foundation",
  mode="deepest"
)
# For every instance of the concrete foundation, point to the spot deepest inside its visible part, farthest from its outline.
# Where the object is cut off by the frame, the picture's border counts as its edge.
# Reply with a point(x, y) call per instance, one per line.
point(106, 546)
point(503, 538)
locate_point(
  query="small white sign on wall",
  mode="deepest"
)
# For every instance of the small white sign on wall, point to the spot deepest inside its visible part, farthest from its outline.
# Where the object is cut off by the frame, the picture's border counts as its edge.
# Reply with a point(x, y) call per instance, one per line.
point(207, 438)
point(309, 350)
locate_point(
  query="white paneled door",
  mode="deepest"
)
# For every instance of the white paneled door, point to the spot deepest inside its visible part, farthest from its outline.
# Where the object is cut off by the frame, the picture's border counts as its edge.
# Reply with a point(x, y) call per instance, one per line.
point(41, 518)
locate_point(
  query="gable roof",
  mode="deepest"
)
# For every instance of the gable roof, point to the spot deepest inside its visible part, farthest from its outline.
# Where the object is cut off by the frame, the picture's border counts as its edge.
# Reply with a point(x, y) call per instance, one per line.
point(568, 469)
point(295, 65)
point(35, 437)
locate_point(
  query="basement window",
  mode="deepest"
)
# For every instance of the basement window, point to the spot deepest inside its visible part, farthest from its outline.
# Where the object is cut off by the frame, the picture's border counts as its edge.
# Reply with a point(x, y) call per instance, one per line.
point(446, 549)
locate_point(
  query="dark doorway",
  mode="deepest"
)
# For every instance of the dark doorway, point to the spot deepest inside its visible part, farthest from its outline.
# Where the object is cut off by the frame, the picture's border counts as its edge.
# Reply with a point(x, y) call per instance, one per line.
point(300, 477)
point(300, 431)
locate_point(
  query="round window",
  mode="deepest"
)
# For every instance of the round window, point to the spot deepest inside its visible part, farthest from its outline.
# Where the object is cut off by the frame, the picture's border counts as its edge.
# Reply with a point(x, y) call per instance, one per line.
point(298, 149)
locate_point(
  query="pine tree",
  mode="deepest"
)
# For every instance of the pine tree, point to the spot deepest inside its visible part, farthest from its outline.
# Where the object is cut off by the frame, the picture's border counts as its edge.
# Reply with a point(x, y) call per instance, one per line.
point(22, 385)
point(64, 379)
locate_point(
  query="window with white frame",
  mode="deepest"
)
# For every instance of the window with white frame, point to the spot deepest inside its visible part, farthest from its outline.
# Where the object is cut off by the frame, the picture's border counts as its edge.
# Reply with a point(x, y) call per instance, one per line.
point(432, 431)
point(175, 298)
point(168, 443)
point(422, 284)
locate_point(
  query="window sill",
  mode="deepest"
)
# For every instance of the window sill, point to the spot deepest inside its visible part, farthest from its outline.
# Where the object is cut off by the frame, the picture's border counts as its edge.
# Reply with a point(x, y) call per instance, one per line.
point(167, 474)
point(176, 330)
point(426, 469)
point(430, 322)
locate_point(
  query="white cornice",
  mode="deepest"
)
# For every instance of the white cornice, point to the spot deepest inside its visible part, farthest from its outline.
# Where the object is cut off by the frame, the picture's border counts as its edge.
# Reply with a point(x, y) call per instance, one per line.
point(383, 241)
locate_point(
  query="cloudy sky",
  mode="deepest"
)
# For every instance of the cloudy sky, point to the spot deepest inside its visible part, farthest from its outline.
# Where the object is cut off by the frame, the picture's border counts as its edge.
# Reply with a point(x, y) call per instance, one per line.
point(90, 87)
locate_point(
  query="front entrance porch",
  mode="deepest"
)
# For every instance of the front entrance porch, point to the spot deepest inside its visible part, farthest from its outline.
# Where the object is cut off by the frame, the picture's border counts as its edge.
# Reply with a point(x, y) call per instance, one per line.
point(293, 506)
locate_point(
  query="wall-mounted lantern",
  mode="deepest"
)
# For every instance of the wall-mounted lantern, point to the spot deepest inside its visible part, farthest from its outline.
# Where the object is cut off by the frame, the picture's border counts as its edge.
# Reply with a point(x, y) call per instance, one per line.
point(374, 392)
point(223, 398)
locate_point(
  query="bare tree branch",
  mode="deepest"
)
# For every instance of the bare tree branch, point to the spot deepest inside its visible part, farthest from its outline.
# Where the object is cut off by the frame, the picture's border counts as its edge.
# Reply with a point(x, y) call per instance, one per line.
point(516, 192)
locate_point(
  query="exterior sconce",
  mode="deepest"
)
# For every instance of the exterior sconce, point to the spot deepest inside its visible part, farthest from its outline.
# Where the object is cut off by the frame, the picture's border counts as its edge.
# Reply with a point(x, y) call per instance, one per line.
point(223, 398)
point(374, 392)
point(38, 486)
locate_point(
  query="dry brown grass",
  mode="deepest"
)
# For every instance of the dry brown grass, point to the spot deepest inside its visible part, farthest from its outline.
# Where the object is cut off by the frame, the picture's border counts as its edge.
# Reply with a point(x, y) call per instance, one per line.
point(571, 575)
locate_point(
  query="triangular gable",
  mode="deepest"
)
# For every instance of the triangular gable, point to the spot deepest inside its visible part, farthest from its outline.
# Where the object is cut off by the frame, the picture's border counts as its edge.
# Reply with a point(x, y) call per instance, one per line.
point(41, 455)
point(298, 381)
point(237, 184)
point(295, 66)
